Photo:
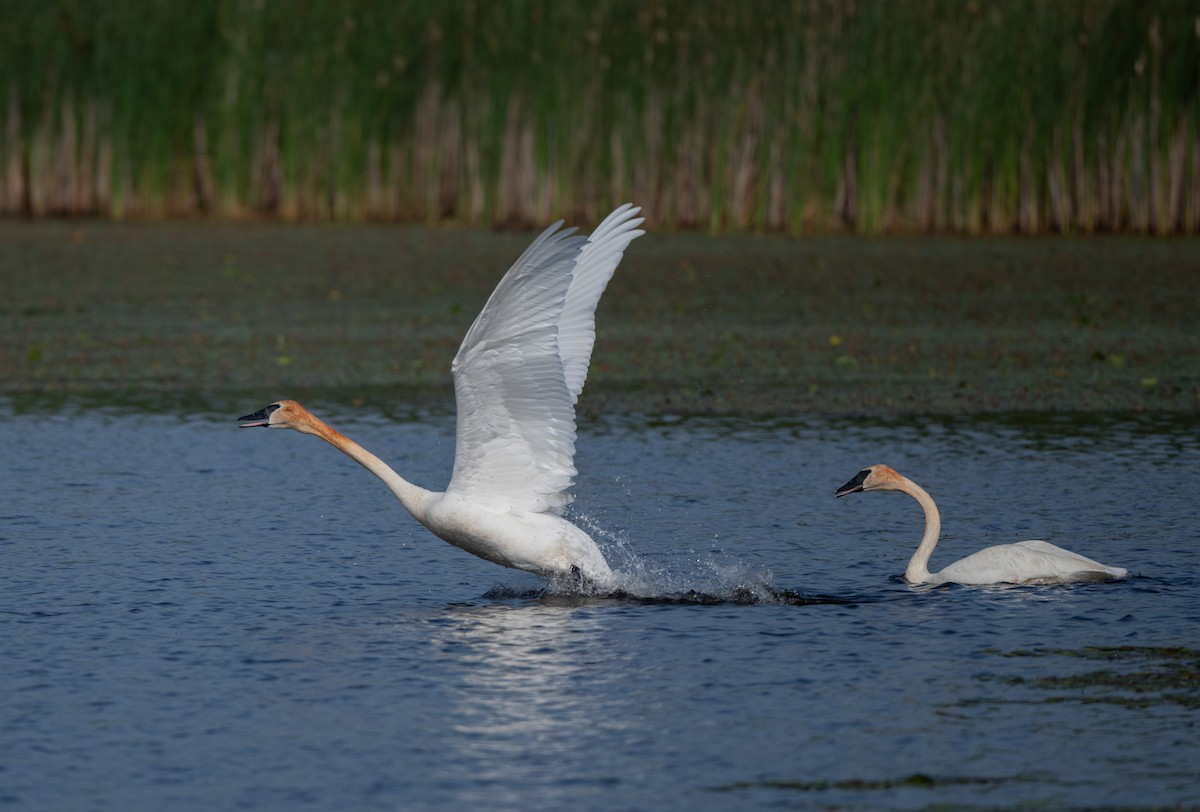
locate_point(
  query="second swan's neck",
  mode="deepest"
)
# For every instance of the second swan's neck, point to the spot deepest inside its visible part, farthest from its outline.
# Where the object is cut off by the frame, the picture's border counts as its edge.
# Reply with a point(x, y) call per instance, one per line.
point(918, 567)
point(414, 498)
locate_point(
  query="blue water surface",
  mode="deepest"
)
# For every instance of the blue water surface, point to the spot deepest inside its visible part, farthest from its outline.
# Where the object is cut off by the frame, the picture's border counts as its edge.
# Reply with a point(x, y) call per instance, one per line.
point(196, 617)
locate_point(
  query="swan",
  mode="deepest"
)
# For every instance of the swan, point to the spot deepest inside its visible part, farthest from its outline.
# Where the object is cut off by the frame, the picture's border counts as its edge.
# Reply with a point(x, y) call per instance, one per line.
point(1026, 562)
point(517, 377)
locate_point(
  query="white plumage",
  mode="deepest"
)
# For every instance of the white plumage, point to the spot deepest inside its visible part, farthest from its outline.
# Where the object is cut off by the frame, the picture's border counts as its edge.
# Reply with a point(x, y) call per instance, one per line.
point(1025, 562)
point(517, 377)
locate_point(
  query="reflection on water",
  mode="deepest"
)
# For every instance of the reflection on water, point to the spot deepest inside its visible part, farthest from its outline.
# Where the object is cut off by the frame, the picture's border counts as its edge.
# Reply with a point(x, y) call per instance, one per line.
point(534, 694)
point(195, 619)
point(522, 670)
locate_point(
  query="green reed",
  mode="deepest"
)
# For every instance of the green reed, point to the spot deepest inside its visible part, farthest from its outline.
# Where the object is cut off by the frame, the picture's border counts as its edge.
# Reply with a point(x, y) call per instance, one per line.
point(876, 115)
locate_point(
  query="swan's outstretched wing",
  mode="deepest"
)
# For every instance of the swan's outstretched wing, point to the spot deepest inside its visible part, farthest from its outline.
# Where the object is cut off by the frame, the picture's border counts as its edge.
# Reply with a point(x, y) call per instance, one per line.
point(597, 261)
point(515, 445)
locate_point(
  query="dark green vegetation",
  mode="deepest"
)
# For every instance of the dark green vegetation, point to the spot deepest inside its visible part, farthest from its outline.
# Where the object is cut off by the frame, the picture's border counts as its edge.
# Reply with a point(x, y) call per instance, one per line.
point(883, 115)
point(1133, 676)
point(690, 324)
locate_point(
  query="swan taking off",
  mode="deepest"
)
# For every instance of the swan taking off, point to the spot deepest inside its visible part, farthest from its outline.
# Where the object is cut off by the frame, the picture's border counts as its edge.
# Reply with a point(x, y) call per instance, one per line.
point(1026, 562)
point(517, 377)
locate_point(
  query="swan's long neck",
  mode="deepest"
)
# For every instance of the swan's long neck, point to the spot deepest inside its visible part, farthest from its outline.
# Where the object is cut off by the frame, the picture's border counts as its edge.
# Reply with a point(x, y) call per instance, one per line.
point(918, 567)
point(414, 498)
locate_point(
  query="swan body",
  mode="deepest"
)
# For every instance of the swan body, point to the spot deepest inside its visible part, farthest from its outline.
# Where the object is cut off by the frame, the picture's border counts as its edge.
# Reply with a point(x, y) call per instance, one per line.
point(517, 377)
point(1025, 562)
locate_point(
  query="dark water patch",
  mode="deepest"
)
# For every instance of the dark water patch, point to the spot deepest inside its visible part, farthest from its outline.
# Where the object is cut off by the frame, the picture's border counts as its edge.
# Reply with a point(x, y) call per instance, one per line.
point(1035, 432)
point(35, 613)
point(914, 781)
point(565, 593)
point(1151, 676)
point(736, 596)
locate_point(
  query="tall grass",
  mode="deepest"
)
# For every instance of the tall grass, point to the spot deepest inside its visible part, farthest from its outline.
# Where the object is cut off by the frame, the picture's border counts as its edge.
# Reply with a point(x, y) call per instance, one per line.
point(875, 115)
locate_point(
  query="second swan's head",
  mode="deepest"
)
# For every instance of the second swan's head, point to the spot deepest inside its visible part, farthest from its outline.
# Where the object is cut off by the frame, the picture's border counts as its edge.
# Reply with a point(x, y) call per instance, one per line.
point(282, 414)
point(872, 478)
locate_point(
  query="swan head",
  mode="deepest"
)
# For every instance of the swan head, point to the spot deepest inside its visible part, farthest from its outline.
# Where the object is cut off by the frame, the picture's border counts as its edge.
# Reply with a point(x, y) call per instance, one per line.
point(872, 478)
point(282, 414)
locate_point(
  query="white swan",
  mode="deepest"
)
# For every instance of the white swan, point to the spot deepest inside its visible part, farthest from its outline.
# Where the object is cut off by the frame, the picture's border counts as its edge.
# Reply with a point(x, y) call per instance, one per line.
point(1026, 562)
point(517, 377)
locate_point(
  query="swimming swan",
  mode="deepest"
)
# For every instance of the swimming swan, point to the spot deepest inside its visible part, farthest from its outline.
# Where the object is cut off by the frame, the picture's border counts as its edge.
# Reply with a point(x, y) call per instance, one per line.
point(517, 377)
point(1026, 562)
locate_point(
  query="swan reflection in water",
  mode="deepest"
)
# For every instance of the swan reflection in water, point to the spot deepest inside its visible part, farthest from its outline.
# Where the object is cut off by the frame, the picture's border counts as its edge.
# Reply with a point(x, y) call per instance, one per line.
point(524, 696)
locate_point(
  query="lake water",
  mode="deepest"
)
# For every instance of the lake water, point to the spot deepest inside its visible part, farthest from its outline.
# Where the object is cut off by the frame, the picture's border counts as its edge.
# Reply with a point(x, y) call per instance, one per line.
point(197, 617)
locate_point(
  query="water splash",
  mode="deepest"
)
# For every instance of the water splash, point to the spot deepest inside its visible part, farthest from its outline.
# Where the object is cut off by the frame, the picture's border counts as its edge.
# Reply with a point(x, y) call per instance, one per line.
point(707, 581)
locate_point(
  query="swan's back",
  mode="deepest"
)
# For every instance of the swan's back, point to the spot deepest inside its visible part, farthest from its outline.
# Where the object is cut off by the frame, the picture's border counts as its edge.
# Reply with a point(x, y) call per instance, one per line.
point(1026, 562)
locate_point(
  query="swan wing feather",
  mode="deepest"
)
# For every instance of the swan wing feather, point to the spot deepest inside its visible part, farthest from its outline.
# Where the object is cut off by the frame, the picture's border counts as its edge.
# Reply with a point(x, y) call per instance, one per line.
point(594, 268)
point(522, 365)
point(515, 441)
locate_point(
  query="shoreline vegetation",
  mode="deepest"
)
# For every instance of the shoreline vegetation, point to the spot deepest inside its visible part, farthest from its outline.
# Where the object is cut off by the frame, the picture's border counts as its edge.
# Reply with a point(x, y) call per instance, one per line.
point(813, 116)
point(183, 314)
